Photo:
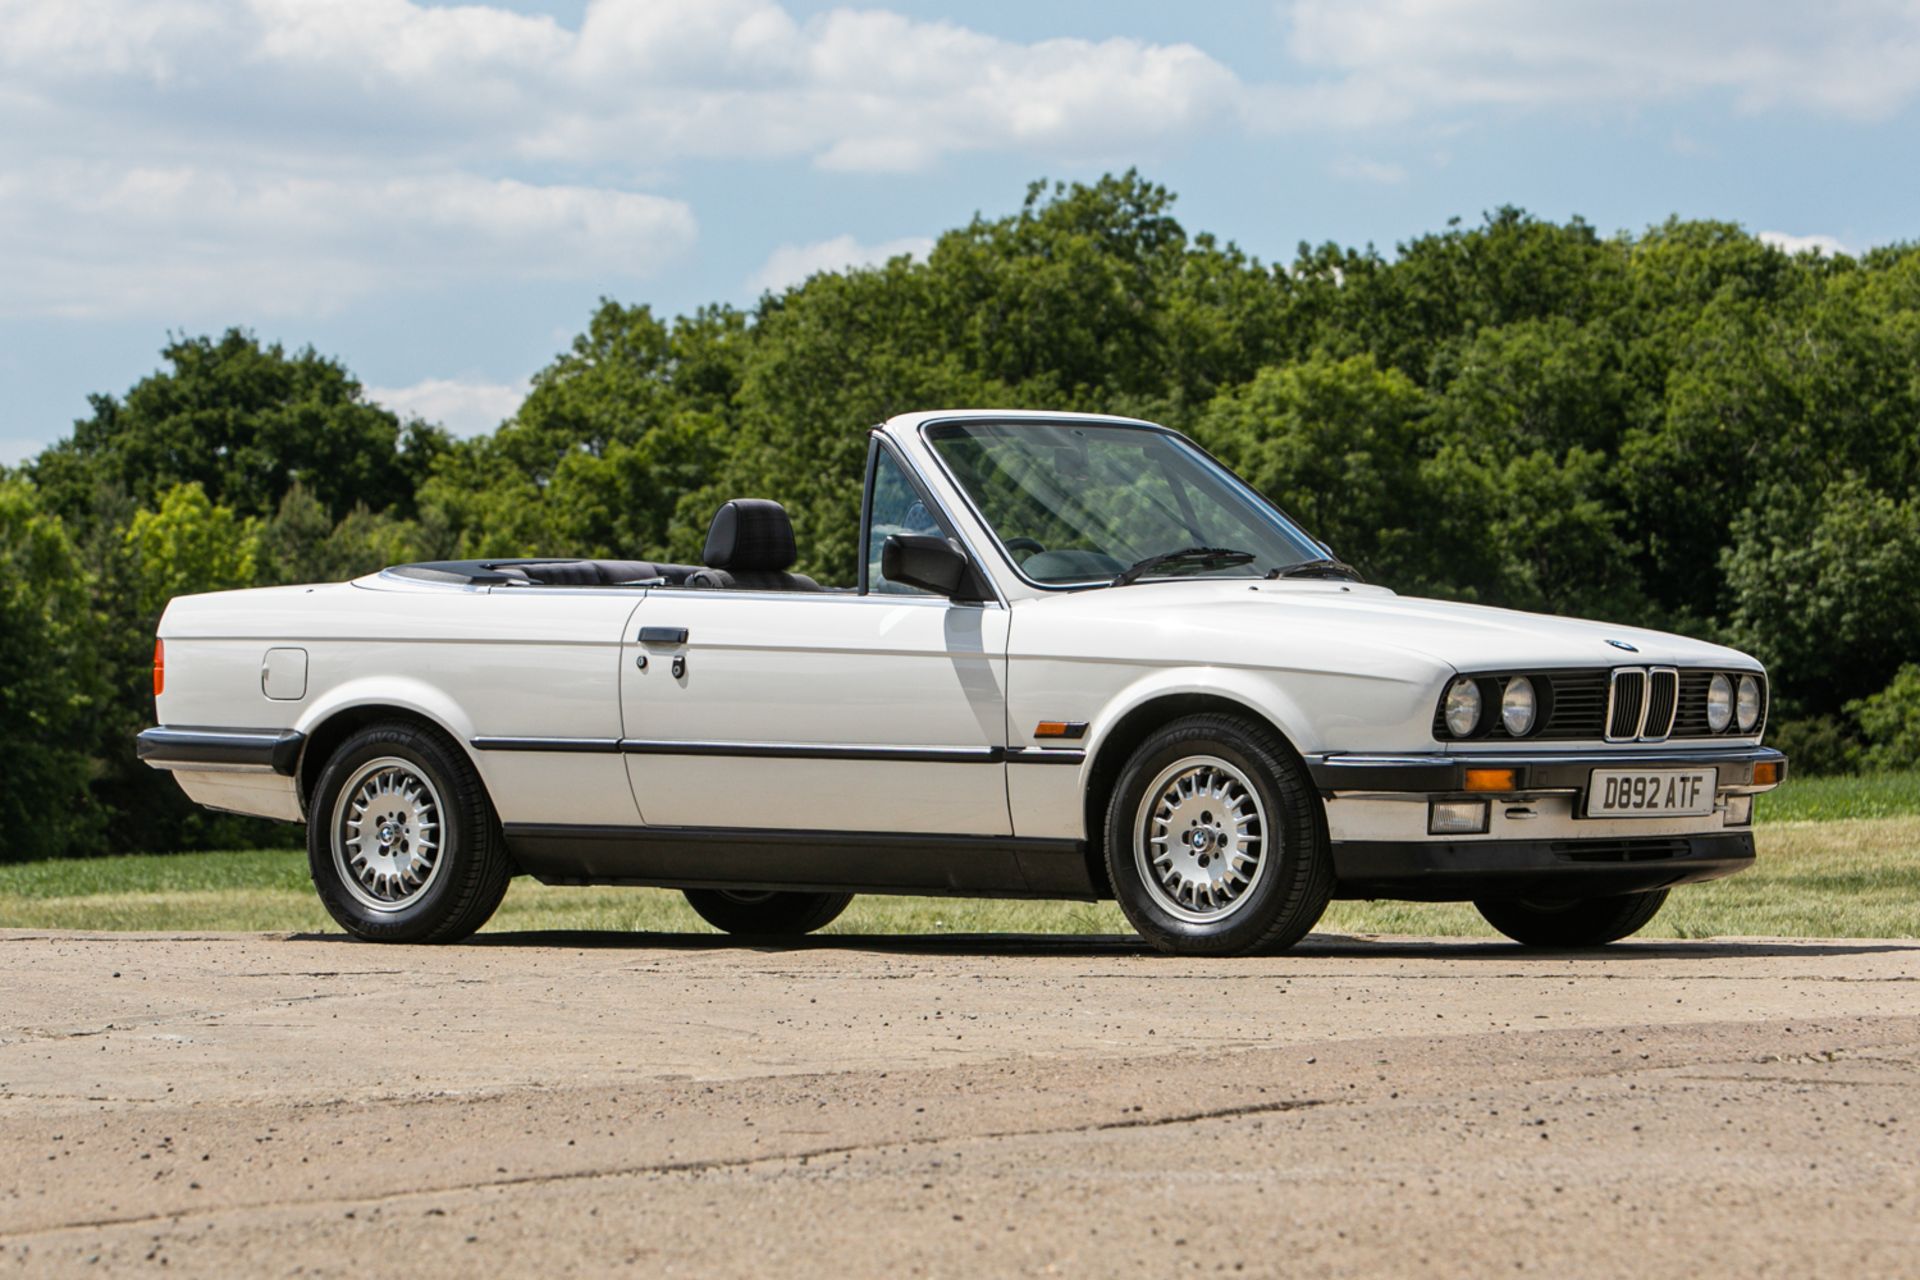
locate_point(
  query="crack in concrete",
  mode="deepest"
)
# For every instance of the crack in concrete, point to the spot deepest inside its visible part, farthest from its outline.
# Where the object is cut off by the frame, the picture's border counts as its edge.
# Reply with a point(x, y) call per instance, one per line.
point(695, 1167)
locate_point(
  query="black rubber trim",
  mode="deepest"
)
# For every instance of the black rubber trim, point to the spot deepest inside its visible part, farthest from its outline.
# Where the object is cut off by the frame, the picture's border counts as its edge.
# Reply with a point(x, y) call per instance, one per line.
point(1537, 771)
point(608, 746)
point(1462, 870)
point(863, 861)
point(165, 747)
point(1045, 755)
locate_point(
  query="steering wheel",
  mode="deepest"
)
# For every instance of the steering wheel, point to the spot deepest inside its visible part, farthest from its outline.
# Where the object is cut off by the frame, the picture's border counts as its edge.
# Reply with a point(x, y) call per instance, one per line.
point(1032, 546)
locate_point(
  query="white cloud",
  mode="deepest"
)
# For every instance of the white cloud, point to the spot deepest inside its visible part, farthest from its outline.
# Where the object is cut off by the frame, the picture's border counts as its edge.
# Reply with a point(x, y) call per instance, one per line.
point(793, 264)
point(638, 82)
point(1380, 61)
point(163, 157)
point(89, 240)
point(1828, 245)
point(178, 159)
point(1356, 169)
point(464, 408)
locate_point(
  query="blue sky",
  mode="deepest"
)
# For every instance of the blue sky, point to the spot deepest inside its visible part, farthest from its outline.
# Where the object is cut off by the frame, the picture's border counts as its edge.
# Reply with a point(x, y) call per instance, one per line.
point(438, 194)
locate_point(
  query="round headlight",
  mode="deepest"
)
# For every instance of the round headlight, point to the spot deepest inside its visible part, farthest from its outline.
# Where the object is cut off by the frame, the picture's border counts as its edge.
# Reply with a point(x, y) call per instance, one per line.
point(1517, 707)
point(1747, 707)
point(1463, 707)
point(1719, 704)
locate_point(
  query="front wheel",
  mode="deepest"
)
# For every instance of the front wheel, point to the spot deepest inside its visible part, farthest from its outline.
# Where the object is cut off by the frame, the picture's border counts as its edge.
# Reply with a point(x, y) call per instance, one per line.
point(766, 911)
point(1214, 841)
point(402, 840)
point(1581, 922)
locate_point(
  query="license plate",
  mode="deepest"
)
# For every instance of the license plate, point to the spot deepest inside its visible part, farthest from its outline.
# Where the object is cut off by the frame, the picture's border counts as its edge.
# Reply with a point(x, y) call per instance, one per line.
point(1651, 793)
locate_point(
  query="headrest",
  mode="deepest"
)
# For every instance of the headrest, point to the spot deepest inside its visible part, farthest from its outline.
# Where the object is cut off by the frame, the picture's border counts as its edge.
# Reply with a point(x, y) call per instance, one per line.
point(749, 534)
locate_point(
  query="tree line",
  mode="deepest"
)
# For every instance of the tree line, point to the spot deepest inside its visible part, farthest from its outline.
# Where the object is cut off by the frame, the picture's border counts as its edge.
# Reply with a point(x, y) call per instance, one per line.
point(1686, 429)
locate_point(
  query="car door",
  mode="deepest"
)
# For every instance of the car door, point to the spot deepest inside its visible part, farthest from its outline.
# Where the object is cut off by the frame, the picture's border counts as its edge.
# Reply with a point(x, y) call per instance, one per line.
point(876, 710)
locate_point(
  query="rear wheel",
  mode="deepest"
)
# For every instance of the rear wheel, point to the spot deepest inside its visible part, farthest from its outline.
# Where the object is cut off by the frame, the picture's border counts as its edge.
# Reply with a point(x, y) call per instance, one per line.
point(1213, 840)
point(766, 911)
point(1581, 922)
point(402, 841)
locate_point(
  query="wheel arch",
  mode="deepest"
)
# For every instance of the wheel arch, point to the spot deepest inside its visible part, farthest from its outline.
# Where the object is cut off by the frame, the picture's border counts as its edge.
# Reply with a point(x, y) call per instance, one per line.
point(1134, 726)
point(331, 724)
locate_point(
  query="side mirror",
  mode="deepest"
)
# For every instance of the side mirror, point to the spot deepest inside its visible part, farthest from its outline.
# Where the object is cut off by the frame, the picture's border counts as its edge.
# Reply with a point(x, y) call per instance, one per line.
point(930, 563)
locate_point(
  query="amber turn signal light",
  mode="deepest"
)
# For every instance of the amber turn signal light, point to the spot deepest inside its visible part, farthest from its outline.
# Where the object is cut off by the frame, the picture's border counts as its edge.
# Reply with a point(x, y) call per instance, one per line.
point(1766, 773)
point(159, 667)
point(1493, 780)
point(1060, 729)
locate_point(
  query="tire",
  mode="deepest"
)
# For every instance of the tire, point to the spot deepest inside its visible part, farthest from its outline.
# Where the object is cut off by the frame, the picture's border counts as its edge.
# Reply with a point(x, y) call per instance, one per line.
point(766, 913)
point(1267, 881)
point(438, 863)
point(1584, 922)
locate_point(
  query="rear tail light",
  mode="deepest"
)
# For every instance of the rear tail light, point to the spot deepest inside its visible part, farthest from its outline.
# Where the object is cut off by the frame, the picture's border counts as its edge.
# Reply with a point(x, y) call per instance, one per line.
point(159, 667)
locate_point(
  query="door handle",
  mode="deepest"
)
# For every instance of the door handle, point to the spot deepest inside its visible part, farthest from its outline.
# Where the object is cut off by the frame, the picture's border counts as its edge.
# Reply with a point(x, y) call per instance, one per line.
point(663, 635)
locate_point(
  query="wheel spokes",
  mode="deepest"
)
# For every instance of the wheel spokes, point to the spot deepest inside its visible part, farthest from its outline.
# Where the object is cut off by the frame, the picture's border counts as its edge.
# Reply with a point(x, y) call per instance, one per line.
point(1201, 841)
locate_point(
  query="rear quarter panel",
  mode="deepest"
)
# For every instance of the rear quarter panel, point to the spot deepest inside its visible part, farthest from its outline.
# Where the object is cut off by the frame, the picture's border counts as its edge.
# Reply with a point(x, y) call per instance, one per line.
point(528, 663)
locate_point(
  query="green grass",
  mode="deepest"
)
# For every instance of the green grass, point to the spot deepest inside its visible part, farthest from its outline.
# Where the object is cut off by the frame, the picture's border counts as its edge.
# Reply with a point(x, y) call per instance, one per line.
point(1873, 795)
point(1846, 877)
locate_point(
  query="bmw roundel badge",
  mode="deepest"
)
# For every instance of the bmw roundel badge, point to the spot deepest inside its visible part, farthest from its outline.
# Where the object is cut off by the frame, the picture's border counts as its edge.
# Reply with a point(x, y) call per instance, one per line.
point(1622, 644)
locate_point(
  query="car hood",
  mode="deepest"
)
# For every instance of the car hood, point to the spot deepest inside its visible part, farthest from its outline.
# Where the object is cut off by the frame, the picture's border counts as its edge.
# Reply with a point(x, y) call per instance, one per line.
point(1312, 623)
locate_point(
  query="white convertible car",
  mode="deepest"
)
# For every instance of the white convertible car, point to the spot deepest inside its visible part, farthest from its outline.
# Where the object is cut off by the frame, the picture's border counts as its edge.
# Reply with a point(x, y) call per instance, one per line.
point(1083, 660)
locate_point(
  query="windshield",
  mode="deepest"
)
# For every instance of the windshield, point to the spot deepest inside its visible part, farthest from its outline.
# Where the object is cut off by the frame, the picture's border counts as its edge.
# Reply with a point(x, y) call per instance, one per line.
point(1084, 502)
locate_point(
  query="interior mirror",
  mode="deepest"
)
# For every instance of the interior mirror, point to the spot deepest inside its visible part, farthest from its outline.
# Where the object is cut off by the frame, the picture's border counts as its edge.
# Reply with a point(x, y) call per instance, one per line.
point(930, 563)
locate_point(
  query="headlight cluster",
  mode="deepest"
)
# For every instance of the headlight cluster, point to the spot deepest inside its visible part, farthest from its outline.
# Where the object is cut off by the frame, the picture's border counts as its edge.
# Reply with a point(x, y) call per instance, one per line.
point(1463, 707)
point(1719, 704)
point(1746, 704)
point(1730, 703)
point(1519, 707)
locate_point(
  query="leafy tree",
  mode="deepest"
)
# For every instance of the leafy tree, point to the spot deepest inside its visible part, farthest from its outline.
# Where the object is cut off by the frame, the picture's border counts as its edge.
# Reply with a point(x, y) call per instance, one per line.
point(185, 544)
point(246, 422)
point(1825, 588)
point(595, 461)
point(190, 545)
point(1890, 721)
point(300, 544)
point(52, 684)
point(1337, 443)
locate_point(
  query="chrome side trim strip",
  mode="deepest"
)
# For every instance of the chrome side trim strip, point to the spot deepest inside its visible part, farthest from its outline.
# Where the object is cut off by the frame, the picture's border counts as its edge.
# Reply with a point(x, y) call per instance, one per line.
point(780, 750)
point(815, 751)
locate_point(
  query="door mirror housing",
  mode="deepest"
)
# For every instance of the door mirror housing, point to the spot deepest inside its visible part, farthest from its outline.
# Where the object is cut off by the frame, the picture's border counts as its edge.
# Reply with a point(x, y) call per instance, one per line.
point(930, 563)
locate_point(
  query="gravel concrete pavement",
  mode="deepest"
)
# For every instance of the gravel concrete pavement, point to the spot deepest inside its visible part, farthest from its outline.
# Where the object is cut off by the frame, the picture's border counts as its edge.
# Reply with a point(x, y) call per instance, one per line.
point(581, 1104)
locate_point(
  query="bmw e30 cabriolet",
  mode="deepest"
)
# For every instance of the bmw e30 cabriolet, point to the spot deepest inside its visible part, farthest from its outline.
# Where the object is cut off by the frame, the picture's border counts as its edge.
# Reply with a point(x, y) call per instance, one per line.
point(1082, 660)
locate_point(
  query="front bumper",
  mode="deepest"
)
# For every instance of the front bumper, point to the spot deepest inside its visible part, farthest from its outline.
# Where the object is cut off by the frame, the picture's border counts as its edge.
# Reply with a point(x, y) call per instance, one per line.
point(1537, 770)
point(1537, 841)
point(1462, 870)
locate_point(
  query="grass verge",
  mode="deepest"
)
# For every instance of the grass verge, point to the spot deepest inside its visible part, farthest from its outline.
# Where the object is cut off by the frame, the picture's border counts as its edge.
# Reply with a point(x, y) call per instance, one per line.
point(1849, 878)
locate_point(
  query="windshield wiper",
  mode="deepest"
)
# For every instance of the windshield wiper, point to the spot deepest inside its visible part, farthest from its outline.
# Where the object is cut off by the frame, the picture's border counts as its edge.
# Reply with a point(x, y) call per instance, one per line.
point(1197, 557)
point(1323, 567)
